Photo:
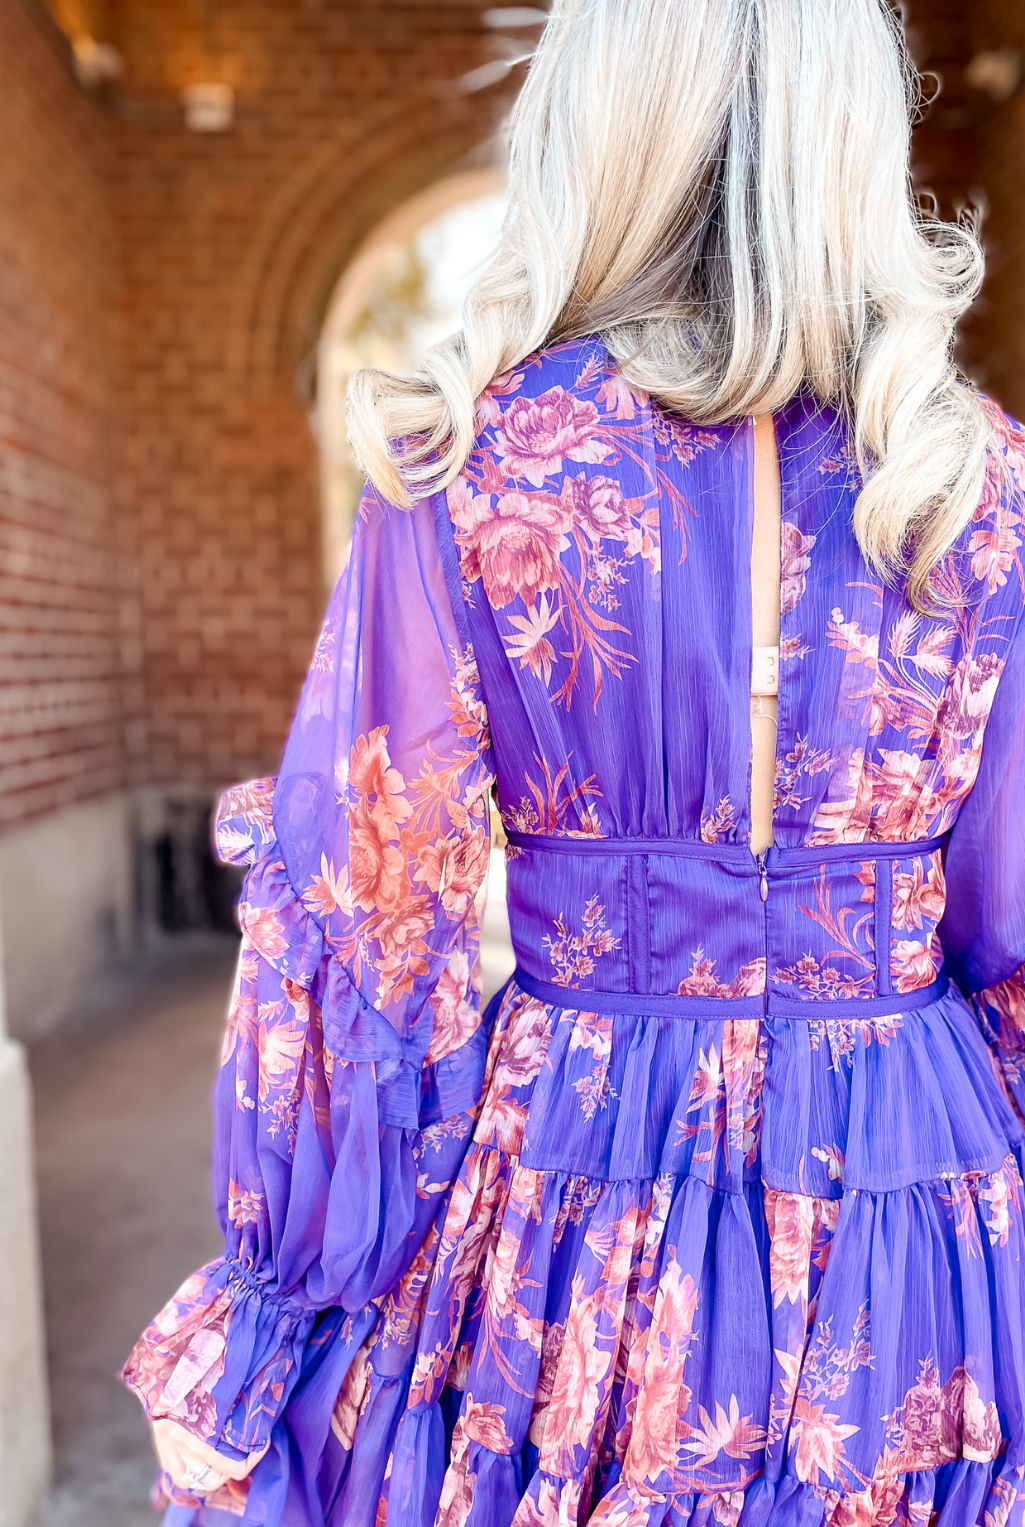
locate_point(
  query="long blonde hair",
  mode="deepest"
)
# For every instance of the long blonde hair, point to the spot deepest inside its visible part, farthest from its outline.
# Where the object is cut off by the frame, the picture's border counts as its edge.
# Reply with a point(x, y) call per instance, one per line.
point(721, 188)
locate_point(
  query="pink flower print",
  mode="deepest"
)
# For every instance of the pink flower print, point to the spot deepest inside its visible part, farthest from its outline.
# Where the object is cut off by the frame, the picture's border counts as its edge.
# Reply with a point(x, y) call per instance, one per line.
point(455, 1017)
point(597, 505)
point(525, 1046)
point(913, 964)
point(551, 1352)
point(663, 1396)
point(516, 550)
point(1006, 1002)
point(377, 866)
point(328, 892)
point(833, 1158)
point(619, 399)
point(521, 1054)
point(807, 974)
point(938, 1423)
point(577, 1391)
point(799, 762)
point(281, 1046)
point(574, 954)
point(251, 805)
point(489, 409)
point(846, 819)
point(727, 1506)
point(731, 1433)
point(537, 435)
point(717, 825)
point(790, 1218)
point(265, 929)
point(791, 647)
point(818, 1441)
point(467, 508)
point(708, 1079)
point(1000, 1197)
point(508, 1269)
point(481, 1421)
point(981, 1437)
point(644, 539)
point(845, 461)
point(579, 1195)
point(244, 1207)
point(683, 440)
point(703, 981)
point(860, 646)
point(1002, 1496)
point(371, 774)
point(352, 1399)
point(469, 712)
point(995, 547)
point(969, 696)
point(454, 868)
point(918, 899)
point(594, 1033)
point(928, 654)
point(402, 935)
point(531, 645)
point(796, 560)
point(1009, 435)
point(903, 797)
point(458, 1487)
point(868, 1508)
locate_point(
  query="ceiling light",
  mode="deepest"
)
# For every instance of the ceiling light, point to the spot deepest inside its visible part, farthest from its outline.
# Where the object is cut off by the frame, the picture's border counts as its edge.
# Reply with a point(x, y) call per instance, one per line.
point(209, 107)
point(996, 72)
point(95, 63)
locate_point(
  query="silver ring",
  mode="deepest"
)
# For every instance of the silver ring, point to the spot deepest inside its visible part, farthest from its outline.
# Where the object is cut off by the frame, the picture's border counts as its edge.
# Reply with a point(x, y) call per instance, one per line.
point(195, 1479)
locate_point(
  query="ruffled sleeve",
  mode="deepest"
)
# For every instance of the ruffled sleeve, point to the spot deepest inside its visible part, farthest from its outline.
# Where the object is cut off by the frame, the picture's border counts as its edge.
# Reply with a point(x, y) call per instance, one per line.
point(354, 1053)
point(983, 927)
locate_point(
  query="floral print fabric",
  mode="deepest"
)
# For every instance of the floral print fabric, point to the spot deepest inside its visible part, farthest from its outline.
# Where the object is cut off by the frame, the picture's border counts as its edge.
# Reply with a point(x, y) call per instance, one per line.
point(715, 1216)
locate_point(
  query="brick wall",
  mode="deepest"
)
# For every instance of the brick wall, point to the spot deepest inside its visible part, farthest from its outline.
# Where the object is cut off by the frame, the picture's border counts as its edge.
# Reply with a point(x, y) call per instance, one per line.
point(1000, 324)
point(60, 690)
point(969, 151)
point(203, 267)
point(231, 248)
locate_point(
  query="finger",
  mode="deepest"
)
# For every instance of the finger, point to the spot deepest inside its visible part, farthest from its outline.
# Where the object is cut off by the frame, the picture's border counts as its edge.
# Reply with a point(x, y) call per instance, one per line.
point(231, 1468)
point(205, 1469)
point(239, 1468)
point(186, 1451)
point(182, 1459)
point(168, 1453)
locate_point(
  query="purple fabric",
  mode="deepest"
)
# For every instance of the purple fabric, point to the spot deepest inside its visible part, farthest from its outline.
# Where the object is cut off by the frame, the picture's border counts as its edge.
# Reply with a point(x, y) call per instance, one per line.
point(716, 1215)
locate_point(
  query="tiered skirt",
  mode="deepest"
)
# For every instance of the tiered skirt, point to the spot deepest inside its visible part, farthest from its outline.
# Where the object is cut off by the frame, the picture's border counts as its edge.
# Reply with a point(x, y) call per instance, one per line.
point(760, 1273)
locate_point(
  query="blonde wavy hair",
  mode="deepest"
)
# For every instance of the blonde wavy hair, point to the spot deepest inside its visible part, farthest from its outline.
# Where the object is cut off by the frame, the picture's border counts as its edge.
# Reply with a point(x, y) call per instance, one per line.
point(721, 188)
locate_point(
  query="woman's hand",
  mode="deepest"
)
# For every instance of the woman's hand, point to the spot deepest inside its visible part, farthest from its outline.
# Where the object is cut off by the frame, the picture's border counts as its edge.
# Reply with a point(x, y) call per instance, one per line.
point(192, 1465)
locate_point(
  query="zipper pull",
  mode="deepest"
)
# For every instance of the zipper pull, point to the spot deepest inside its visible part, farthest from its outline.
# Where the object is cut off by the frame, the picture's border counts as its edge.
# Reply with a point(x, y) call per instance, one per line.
point(763, 885)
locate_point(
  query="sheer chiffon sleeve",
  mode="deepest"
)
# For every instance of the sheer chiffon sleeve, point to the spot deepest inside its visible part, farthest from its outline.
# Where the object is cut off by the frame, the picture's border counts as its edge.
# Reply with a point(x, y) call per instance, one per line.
point(983, 928)
point(354, 1053)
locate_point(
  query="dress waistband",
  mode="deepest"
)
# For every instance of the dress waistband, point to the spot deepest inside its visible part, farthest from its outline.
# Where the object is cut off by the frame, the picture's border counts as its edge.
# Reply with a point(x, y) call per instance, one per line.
point(727, 853)
point(766, 1005)
point(687, 929)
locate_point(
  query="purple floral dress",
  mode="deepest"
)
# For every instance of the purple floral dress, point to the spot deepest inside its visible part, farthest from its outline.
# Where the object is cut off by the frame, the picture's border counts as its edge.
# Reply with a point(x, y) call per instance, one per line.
point(715, 1215)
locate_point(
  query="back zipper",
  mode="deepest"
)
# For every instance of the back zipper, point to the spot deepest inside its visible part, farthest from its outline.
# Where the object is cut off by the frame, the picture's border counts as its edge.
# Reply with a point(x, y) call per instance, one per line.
point(763, 884)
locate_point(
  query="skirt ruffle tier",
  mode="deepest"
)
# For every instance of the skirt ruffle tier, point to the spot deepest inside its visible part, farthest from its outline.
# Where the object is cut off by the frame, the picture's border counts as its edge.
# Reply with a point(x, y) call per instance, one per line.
point(759, 1273)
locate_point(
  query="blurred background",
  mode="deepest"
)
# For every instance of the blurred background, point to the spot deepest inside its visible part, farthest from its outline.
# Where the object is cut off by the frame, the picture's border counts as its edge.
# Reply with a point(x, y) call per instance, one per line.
point(209, 214)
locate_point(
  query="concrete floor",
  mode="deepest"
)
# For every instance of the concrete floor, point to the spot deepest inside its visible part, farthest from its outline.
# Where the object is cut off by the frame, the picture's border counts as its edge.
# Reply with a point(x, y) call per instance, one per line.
point(123, 1147)
point(123, 1153)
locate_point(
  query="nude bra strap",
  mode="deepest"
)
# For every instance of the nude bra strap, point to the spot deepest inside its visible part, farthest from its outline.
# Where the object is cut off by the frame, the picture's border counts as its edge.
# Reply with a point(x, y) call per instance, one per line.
point(765, 670)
